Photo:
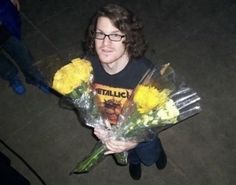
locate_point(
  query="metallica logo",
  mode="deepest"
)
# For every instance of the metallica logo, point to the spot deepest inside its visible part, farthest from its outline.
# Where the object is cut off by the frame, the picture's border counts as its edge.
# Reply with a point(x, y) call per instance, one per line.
point(113, 93)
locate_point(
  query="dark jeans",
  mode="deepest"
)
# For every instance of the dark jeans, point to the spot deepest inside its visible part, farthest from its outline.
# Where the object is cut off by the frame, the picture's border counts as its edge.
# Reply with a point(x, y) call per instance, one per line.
point(146, 152)
point(22, 57)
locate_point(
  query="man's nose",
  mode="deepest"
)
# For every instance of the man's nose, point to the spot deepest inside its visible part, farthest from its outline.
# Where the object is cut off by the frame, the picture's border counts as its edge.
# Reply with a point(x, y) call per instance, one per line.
point(106, 40)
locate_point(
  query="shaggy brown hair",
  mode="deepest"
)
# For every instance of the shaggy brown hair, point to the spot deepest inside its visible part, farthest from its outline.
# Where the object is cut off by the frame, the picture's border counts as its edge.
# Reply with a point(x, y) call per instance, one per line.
point(126, 22)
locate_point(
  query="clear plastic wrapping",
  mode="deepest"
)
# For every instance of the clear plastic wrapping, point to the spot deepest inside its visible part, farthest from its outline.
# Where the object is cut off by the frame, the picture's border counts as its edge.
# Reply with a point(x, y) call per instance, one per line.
point(74, 81)
point(158, 102)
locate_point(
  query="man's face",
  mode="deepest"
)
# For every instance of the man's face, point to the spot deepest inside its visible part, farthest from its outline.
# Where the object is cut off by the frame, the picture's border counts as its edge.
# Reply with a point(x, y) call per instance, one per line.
point(109, 52)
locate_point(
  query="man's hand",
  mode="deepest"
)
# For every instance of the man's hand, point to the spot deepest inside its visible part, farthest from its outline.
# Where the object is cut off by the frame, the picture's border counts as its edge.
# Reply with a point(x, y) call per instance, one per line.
point(101, 133)
point(16, 4)
point(118, 146)
point(113, 145)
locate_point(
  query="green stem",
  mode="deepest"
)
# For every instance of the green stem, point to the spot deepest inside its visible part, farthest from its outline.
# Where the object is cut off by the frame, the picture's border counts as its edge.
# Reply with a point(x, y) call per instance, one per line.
point(121, 158)
point(73, 94)
point(90, 161)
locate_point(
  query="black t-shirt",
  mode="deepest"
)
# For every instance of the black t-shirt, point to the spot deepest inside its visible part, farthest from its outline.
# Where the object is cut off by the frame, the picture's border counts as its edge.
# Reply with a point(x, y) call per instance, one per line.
point(127, 78)
point(114, 90)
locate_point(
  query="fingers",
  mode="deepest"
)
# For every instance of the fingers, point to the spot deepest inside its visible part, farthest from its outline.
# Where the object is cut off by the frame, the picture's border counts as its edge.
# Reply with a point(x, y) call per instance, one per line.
point(100, 130)
point(115, 146)
point(112, 144)
point(109, 152)
point(101, 133)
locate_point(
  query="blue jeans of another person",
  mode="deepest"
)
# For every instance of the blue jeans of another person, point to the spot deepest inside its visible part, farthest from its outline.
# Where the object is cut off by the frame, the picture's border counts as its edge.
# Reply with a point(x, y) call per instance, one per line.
point(146, 153)
point(22, 57)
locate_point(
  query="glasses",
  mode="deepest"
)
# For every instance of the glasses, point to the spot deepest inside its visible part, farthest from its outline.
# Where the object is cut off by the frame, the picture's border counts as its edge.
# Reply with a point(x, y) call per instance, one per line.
point(112, 37)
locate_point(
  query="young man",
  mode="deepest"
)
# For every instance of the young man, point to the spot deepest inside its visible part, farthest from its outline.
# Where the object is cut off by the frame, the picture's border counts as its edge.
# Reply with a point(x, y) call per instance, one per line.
point(116, 49)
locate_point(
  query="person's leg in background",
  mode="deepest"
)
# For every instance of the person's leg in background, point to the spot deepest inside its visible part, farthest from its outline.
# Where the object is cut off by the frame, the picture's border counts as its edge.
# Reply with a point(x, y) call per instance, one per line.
point(9, 72)
point(23, 58)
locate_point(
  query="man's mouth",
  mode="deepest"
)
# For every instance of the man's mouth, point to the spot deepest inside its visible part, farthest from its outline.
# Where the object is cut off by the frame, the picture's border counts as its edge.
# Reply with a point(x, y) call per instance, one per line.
point(107, 51)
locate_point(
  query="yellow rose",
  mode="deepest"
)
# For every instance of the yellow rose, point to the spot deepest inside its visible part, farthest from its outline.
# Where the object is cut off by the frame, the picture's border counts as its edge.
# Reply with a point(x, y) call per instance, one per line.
point(72, 75)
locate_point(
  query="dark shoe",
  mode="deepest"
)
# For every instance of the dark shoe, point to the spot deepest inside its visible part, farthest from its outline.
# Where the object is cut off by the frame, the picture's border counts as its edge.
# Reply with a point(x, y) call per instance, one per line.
point(17, 86)
point(162, 161)
point(135, 171)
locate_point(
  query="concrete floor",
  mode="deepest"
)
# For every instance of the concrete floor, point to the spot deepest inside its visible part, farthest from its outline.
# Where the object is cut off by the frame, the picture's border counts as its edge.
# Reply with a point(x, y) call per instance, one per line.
point(197, 37)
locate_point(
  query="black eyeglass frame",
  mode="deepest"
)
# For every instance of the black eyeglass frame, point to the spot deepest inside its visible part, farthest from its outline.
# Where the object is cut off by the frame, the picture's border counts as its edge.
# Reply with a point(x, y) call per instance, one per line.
point(109, 36)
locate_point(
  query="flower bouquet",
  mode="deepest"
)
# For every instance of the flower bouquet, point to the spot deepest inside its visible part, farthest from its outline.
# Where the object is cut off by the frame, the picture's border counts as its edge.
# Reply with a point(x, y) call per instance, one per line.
point(74, 81)
point(158, 101)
